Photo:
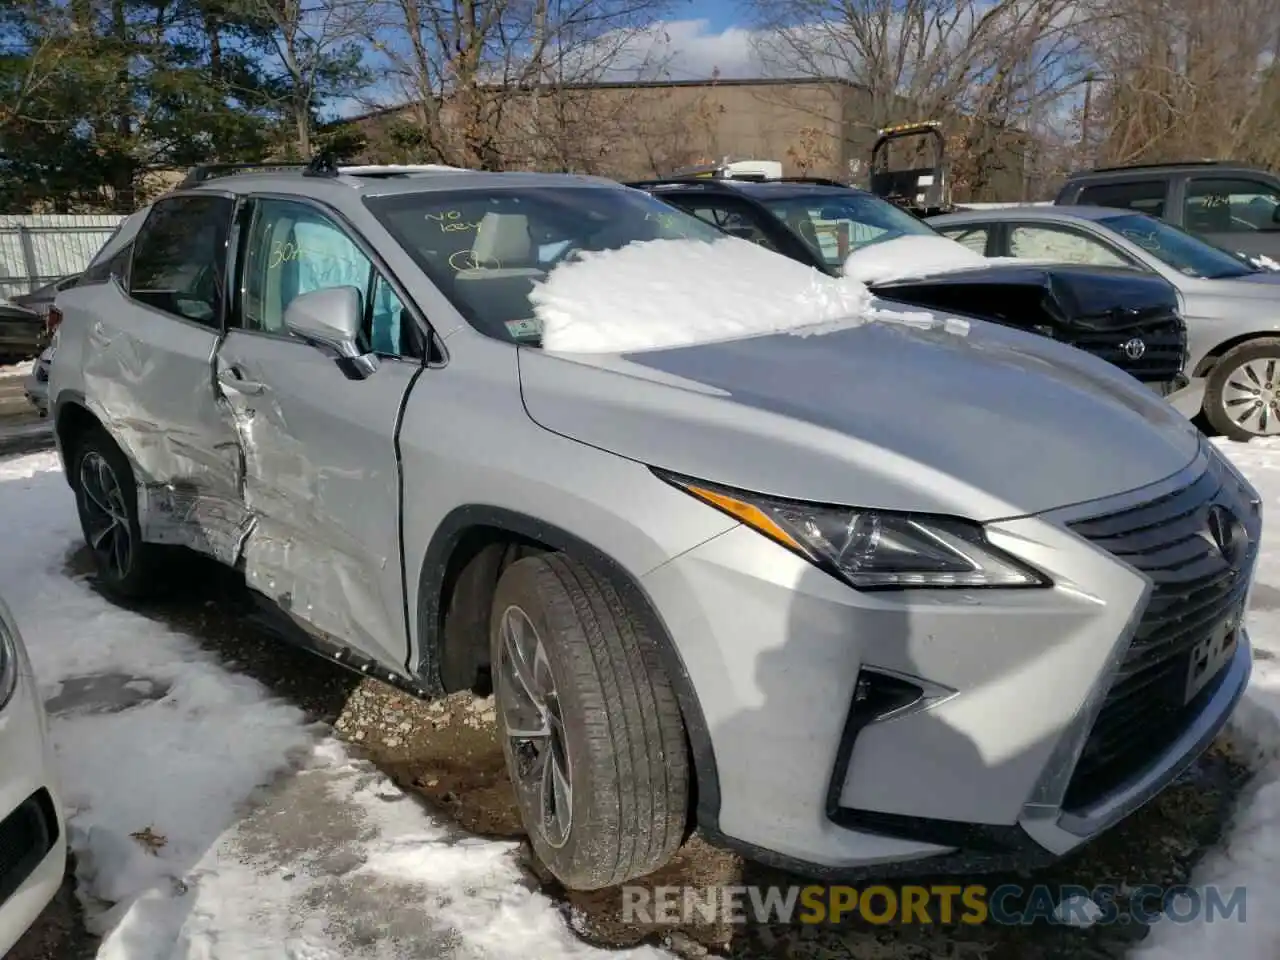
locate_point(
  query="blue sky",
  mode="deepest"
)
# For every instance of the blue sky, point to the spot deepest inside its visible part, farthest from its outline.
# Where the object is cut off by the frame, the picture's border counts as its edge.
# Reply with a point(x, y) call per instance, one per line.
point(719, 14)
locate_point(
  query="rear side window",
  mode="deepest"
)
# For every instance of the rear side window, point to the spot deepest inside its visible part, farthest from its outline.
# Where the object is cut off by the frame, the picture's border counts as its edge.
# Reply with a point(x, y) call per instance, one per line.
point(179, 258)
point(116, 265)
point(1146, 196)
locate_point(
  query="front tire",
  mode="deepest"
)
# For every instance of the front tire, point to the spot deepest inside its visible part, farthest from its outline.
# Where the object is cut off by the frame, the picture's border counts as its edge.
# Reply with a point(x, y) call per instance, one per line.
point(589, 722)
point(107, 501)
point(1242, 397)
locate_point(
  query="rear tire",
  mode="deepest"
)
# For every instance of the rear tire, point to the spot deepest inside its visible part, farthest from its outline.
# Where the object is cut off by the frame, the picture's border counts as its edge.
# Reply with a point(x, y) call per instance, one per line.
point(107, 501)
point(1242, 397)
point(589, 722)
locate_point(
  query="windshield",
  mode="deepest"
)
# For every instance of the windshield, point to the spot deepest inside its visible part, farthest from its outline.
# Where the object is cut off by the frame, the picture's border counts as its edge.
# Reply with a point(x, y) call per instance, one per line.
point(485, 249)
point(1177, 248)
point(836, 224)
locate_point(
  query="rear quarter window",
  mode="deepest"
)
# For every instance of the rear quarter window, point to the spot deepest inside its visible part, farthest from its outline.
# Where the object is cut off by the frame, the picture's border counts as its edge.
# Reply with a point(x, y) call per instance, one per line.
point(1145, 196)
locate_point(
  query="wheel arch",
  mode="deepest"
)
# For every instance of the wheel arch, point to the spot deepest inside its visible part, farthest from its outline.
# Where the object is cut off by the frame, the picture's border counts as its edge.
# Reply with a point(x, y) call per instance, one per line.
point(1210, 359)
point(468, 531)
point(72, 418)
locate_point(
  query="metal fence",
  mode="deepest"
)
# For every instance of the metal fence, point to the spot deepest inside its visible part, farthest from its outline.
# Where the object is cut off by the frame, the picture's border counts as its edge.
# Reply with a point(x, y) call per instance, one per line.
point(40, 248)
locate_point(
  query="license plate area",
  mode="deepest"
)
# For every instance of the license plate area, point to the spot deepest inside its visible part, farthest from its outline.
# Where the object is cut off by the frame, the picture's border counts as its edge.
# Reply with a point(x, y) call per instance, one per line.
point(1211, 654)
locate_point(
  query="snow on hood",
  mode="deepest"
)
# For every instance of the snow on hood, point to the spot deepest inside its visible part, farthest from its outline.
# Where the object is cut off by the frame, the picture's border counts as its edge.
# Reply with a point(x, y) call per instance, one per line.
point(660, 294)
point(909, 258)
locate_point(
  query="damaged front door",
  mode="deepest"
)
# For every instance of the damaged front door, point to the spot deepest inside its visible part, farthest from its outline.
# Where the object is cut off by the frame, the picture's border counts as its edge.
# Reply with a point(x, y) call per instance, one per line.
point(149, 371)
point(322, 475)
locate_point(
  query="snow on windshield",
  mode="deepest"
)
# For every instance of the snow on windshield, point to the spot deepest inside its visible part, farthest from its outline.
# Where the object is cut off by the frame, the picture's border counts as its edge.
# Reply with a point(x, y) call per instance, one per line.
point(659, 294)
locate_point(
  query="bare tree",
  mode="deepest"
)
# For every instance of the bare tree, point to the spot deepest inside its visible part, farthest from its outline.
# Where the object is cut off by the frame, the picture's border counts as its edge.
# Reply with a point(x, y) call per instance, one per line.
point(499, 81)
point(987, 69)
point(319, 46)
point(1186, 79)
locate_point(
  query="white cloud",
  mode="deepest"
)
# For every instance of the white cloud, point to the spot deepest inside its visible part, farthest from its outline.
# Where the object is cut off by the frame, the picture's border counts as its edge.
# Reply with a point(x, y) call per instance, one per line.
point(689, 50)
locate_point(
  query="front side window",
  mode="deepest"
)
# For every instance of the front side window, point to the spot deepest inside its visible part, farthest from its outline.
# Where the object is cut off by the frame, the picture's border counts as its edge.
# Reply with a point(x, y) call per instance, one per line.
point(729, 217)
point(1146, 196)
point(975, 238)
point(1187, 254)
point(1061, 246)
point(293, 249)
point(1215, 205)
point(486, 248)
point(836, 224)
point(179, 258)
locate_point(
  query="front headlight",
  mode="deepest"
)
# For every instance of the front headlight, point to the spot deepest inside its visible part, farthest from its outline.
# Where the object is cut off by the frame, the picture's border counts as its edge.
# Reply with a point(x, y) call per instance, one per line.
point(873, 549)
point(8, 664)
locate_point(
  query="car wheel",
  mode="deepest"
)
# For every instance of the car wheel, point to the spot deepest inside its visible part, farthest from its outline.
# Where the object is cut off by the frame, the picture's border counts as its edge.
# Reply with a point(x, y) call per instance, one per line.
point(590, 725)
point(1242, 397)
point(107, 501)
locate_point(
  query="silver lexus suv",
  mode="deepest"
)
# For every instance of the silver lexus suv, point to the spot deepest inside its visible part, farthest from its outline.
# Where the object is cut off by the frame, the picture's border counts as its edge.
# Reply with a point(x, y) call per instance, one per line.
point(712, 586)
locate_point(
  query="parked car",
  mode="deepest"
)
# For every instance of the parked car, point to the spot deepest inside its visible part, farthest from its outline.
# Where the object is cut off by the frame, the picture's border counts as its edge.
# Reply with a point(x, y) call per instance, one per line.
point(42, 298)
point(24, 327)
point(820, 223)
point(36, 386)
point(871, 595)
point(1232, 310)
point(22, 333)
point(32, 834)
point(1232, 206)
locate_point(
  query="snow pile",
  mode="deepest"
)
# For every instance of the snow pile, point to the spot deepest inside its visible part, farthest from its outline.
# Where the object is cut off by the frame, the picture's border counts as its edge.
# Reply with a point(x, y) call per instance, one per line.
point(909, 257)
point(22, 369)
point(1250, 854)
point(209, 819)
point(660, 294)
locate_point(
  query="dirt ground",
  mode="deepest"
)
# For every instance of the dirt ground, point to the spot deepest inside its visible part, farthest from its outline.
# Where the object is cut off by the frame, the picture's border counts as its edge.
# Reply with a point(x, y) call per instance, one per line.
point(448, 753)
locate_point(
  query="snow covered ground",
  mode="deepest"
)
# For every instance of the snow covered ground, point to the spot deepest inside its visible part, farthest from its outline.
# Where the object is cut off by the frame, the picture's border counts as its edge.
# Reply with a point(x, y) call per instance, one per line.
point(211, 821)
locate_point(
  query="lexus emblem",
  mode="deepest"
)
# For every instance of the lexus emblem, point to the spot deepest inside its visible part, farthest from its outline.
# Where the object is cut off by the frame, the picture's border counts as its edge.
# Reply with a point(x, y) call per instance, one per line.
point(1227, 535)
point(1135, 348)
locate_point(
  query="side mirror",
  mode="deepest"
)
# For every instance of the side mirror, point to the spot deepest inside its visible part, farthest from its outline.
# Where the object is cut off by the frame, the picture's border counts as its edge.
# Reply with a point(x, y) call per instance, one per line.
point(330, 321)
point(1275, 213)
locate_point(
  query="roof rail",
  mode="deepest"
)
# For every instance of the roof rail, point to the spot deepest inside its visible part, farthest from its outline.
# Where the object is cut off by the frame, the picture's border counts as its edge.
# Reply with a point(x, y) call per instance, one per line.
point(693, 180)
point(686, 180)
point(202, 172)
point(1152, 166)
point(818, 181)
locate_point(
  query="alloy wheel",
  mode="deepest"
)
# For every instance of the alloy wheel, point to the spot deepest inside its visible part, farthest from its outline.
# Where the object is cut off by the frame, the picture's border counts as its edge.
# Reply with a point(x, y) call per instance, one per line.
point(534, 727)
point(106, 519)
point(1251, 396)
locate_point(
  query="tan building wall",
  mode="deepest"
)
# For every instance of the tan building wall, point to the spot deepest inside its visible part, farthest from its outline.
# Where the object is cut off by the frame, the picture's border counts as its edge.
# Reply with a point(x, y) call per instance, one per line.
point(633, 131)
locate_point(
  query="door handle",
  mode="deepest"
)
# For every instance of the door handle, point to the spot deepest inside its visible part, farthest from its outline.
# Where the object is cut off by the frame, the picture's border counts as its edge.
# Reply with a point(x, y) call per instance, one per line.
point(232, 380)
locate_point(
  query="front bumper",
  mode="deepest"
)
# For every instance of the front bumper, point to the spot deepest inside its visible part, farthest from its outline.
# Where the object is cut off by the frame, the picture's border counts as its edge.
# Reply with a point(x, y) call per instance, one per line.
point(1189, 400)
point(1014, 687)
point(32, 832)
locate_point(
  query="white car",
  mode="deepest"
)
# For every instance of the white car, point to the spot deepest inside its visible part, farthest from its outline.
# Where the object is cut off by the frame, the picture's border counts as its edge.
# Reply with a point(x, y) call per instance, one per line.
point(32, 832)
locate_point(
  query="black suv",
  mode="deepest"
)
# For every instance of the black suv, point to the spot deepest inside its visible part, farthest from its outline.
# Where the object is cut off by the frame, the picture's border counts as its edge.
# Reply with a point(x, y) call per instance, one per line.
point(1231, 206)
point(1128, 318)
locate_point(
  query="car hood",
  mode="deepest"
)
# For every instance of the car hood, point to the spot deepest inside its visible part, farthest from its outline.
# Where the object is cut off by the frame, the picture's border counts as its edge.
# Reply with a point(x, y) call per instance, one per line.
point(1255, 281)
point(993, 423)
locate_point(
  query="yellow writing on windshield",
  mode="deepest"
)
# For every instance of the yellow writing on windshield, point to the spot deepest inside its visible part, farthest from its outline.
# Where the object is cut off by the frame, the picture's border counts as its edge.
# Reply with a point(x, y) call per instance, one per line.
point(451, 221)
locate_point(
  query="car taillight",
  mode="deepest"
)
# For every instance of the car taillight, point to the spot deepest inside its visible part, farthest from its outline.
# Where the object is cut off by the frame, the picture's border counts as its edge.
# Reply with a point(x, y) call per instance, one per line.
point(52, 319)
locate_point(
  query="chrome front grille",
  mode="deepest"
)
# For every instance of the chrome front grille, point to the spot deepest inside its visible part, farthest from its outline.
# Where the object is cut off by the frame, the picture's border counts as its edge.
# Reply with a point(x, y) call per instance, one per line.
point(1195, 590)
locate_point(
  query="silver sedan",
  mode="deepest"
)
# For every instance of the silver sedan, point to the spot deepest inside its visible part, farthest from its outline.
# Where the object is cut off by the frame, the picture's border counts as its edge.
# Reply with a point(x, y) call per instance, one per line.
point(1232, 310)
